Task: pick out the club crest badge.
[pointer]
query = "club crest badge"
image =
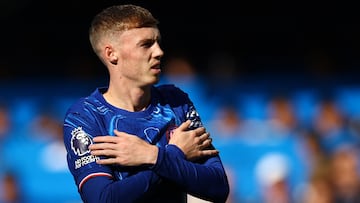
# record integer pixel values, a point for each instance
(193, 115)
(80, 141)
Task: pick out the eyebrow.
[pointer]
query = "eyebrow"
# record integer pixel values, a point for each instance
(147, 40)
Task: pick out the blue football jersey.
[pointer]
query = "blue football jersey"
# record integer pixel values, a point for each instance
(165, 181)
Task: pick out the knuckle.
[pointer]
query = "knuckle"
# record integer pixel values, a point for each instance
(192, 133)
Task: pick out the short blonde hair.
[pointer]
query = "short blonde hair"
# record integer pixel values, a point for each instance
(119, 18)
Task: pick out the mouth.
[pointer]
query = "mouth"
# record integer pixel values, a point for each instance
(156, 69)
(156, 66)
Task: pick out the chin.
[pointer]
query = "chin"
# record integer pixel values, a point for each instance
(152, 82)
(155, 80)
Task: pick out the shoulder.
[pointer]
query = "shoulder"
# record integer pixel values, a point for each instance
(85, 105)
(171, 90)
(172, 95)
(85, 114)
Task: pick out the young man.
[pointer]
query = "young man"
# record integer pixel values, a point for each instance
(133, 141)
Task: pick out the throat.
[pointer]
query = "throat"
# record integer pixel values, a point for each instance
(131, 104)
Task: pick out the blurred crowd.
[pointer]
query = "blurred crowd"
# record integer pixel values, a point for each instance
(279, 143)
(285, 145)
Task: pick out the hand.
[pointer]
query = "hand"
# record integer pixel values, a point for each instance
(194, 143)
(123, 149)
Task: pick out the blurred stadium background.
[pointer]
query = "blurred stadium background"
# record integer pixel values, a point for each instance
(277, 85)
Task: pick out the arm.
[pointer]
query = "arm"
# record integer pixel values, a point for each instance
(207, 180)
(204, 177)
(97, 183)
(129, 150)
(104, 189)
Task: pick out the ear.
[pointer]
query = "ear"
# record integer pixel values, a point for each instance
(110, 55)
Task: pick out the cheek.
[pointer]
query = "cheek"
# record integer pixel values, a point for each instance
(127, 60)
(126, 55)
(133, 57)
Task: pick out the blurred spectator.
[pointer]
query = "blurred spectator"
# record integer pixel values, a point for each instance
(5, 128)
(331, 126)
(284, 146)
(336, 179)
(318, 189)
(226, 122)
(272, 172)
(224, 127)
(354, 128)
(314, 156)
(281, 113)
(178, 66)
(38, 159)
(245, 143)
(321, 148)
(5, 122)
(345, 177)
(9, 189)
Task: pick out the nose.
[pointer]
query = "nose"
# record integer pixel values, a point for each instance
(158, 52)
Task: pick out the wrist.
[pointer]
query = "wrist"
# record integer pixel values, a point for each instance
(153, 155)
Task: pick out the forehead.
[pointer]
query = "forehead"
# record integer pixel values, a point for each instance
(138, 34)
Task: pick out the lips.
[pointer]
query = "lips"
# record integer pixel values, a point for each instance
(156, 66)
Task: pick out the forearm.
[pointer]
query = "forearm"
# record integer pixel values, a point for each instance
(206, 180)
(102, 189)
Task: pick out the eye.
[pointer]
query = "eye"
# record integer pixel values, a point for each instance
(148, 43)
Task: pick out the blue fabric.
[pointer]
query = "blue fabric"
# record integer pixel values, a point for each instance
(164, 182)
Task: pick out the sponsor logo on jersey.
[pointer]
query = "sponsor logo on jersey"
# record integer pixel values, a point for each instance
(85, 160)
(80, 141)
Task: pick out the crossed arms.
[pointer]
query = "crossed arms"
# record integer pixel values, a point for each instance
(189, 160)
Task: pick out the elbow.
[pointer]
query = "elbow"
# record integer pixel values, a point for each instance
(225, 193)
(219, 194)
(222, 194)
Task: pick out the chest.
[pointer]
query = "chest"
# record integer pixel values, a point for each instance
(154, 127)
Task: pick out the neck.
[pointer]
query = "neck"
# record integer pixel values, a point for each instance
(130, 99)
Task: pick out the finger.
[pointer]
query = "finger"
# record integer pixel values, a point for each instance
(103, 152)
(118, 133)
(102, 145)
(106, 138)
(205, 143)
(106, 161)
(203, 137)
(200, 130)
(210, 152)
(96, 146)
(185, 125)
(123, 135)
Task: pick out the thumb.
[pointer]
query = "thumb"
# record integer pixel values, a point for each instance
(118, 133)
(123, 134)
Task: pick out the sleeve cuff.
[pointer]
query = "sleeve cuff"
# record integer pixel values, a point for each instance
(175, 150)
(166, 151)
